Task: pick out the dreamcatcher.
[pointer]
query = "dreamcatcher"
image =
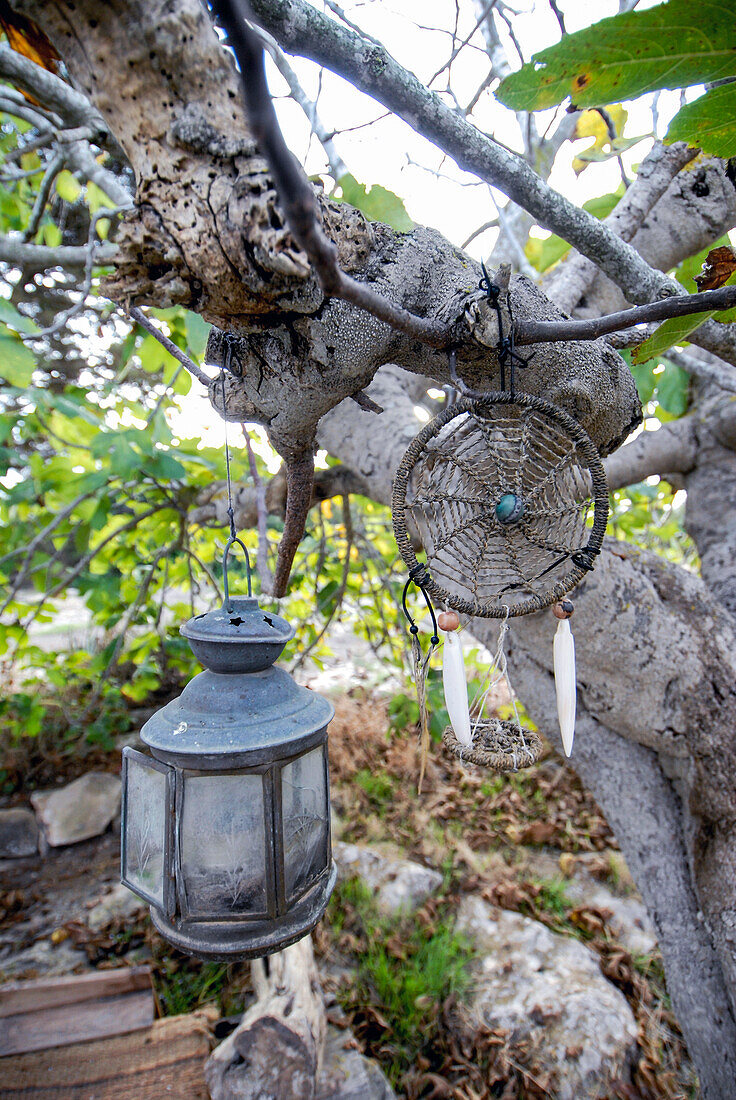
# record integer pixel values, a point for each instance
(507, 496)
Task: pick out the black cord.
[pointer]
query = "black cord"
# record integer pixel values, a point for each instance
(417, 576)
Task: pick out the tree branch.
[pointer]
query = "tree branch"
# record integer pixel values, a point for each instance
(13, 250)
(302, 30)
(681, 305)
(668, 450)
(299, 480)
(50, 89)
(295, 192)
(140, 318)
(337, 165)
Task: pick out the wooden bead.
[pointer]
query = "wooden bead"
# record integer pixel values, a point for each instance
(563, 609)
(448, 620)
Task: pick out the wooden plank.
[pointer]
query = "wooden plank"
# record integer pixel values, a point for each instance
(164, 1061)
(70, 1023)
(17, 997)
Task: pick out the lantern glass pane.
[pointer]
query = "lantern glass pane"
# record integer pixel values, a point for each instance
(223, 845)
(306, 820)
(145, 828)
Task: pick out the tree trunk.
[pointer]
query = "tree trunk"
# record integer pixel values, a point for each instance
(655, 742)
(656, 713)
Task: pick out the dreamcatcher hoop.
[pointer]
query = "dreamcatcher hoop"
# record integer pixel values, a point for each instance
(581, 557)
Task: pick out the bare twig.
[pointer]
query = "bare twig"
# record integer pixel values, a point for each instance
(140, 318)
(295, 192)
(303, 30)
(492, 224)
(13, 250)
(338, 168)
(558, 16)
(63, 318)
(543, 332)
(54, 167)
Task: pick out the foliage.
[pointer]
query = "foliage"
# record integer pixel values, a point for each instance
(100, 486)
(636, 52)
(406, 971)
(182, 985)
(377, 203)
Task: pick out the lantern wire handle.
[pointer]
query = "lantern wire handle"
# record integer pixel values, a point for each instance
(225, 585)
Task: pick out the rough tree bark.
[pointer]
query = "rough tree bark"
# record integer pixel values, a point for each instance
(657, 703)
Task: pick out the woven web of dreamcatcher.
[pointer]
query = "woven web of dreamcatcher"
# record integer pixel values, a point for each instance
(457, 481)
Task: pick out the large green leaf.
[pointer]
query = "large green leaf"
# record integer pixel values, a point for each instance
(671, 45)
(709, 122)
(17, 362)
(674, 331)
(377, 203)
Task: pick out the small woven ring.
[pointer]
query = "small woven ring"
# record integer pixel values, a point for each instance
(497, 745)
(578, 435)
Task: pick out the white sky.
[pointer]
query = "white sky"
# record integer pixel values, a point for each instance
(391, 154)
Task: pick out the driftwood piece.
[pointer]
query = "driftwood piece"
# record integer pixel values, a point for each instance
(277, 1048)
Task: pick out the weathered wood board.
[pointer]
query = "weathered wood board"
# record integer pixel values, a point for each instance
(165, 1060)
(54, 1012)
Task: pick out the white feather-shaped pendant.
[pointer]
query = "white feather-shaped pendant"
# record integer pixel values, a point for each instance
(456, 688)
(564, 659)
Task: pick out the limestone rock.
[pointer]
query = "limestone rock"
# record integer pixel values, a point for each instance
(80, 810)
(629, 921)
(398, 884)
(347, 1074)
(119, 904)
(18, 833)
(548, 992)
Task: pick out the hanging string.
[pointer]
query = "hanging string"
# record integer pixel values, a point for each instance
(421, 663)
(230, 510)
(498, 671)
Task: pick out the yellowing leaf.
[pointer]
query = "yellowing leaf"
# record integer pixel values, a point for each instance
(592, 124)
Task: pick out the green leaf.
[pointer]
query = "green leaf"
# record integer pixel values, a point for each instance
(165, 466)
(709, 122)
(377, 203)
(673, 386)
(643, 374)
(671, 45)
(17, 362)
(673, 331)
(197, 331)
(10, 315)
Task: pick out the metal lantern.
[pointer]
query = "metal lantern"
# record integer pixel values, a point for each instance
(226, 825)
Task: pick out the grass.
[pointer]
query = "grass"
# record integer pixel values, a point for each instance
(183, 986)
(379, 786)
(408, 969)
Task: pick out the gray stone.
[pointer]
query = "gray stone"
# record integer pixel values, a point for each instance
(629, 921)
(549, 993)
(398, 884)
(18, 833)
(80, 810)
(119, 904)
(347, 1074)
(43, 957)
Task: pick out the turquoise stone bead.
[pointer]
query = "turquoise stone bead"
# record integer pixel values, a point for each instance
(509, 509)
